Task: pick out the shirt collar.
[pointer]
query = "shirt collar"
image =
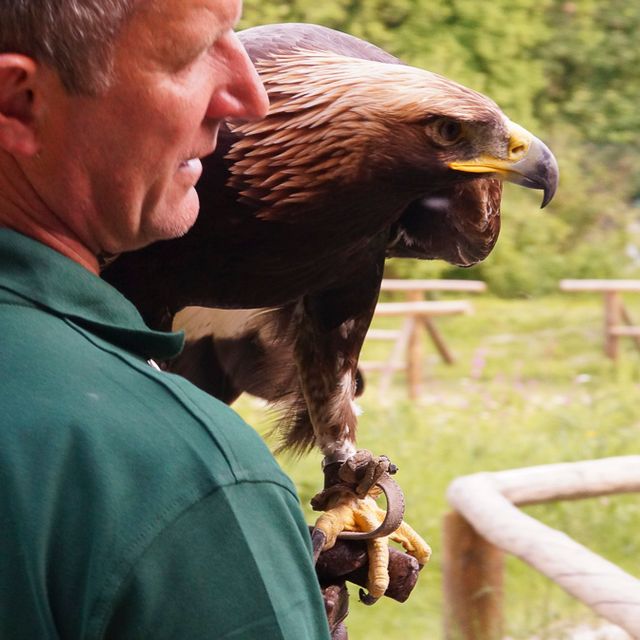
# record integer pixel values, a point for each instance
(52, 281)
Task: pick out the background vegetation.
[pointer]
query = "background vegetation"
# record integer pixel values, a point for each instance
(568, 71)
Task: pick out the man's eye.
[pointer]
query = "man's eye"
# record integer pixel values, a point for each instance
(181, 56)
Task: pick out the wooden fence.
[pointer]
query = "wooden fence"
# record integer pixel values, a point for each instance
(419, 320)
(618, 322)
(486, 523)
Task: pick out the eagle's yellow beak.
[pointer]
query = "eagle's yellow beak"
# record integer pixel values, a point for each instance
(529, 163)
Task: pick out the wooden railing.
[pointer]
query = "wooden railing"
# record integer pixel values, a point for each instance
(486, 523)
(418, 313)
(617, 320)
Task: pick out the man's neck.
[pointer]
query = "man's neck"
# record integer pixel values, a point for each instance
(23, 211)
(64, 245)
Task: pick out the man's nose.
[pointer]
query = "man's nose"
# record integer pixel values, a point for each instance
(242, 95)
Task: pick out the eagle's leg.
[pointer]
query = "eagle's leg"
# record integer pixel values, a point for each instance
(326, 356)
(331, 328)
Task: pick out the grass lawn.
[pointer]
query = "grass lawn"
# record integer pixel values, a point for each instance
(530, 386)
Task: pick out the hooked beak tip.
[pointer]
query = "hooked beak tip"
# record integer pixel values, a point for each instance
(551, 173)
(547, 197)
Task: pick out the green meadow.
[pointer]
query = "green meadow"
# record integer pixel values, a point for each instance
(530, 386)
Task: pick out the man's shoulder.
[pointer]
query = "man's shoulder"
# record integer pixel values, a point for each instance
(61, 382)
(28, 331)
(101, 452)
(45, 364)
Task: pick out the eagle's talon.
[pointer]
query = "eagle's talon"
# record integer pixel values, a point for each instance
(367, 598)
(350, 511)
(318, 542)
(345, 512)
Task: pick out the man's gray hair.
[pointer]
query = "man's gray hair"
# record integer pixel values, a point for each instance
(74, 37)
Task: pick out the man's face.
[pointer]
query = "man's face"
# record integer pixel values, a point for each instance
(124, 164)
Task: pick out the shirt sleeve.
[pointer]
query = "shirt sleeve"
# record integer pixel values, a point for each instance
(235, 565)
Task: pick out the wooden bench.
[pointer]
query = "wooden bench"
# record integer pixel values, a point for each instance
(419, 314)
(617, 320)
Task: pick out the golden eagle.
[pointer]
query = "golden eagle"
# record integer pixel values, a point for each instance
(360, 158)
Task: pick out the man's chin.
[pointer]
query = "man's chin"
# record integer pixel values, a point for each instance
(174, 222)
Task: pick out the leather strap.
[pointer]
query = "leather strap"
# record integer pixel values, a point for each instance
(392, 519)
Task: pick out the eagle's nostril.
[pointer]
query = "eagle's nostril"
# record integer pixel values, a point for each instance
(517, 150)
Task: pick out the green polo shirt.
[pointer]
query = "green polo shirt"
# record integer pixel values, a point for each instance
(132, 505)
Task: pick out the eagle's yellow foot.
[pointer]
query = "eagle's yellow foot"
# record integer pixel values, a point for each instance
(347, 512)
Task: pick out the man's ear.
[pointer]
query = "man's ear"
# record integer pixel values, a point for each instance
(17, 115)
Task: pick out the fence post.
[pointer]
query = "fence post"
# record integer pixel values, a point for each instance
(612, 316)
(415, 353)
(473, 571)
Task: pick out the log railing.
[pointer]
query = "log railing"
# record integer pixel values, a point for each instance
(486, 523)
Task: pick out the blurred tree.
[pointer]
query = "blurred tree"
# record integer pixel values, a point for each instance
(593, 68)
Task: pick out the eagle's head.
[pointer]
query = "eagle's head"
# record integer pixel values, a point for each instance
(421, 156)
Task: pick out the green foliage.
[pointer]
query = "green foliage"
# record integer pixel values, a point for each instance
(567, 70)
(593, 64)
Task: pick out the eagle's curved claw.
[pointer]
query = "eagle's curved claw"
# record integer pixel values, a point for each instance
(347, 512)
(318, 542)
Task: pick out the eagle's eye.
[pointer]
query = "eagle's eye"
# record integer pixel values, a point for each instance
(445, 132)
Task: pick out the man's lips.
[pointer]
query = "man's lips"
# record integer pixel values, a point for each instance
(194, 165)
(192, 168)
(191, 164)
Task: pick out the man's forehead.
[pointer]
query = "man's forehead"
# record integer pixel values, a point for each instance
(225, 12)
(159, 29)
